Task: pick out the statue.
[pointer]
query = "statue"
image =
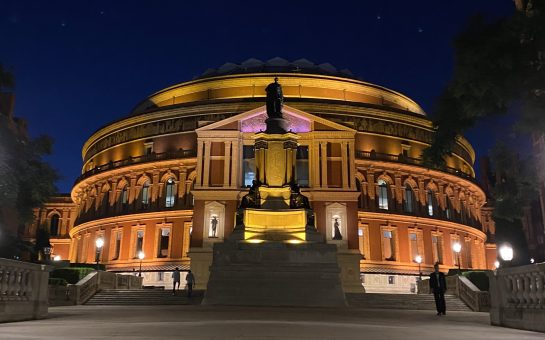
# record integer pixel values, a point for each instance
(252, 199)
(298, 200)
(275, 99)
(214, 226)
(337, 231)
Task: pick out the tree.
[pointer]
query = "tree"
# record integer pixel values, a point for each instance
(26, 180)
(497, 64)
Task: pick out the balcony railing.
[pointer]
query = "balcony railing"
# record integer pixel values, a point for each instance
(152, 157)
(410, 160)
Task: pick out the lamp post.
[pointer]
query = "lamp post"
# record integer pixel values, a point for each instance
(418, 260)
(141, 256)
(457, 247)
(99, 244)
(506, 253)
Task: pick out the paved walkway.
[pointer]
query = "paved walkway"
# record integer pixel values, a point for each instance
(204, 322)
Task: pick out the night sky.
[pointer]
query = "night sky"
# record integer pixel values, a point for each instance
(82, 64)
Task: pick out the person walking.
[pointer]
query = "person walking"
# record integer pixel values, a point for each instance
(438, 286)
(190, 279)
(175, 280)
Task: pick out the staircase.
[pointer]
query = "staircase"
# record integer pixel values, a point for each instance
(403, 301)
(144, 297)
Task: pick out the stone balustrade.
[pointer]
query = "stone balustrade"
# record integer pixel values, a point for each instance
(82, 291)
(518, 297)
(23, 290)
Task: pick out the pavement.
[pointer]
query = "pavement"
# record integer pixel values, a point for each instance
(223, 322)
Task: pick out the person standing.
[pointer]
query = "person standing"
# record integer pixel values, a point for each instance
(175, 280)
(190, 279)
(438, 285)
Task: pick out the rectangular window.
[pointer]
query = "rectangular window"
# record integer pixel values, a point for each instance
(117, 245)
(437, 249)
(388, 245)
(391, 280)
(145, 195)
(383, 197)
(139, 242)
(302, 166)
(164, 236)
(248, 165)
(160, 276)
(413, 240)
(361, 238)
(467, 254)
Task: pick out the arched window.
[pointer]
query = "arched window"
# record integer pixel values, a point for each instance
(169, 190)
(382, 194)
(448, 210)
(360, 197)
(144, 194)
(54, 225)
(431, 202)
(124, 197)
(408, 199)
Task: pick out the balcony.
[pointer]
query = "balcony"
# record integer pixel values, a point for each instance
(153, 157)
(413, 161)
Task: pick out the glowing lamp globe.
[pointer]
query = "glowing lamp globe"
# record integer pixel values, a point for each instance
(457, 247)
(141, 255)
(418, 259)
(99, 243)
(506, 252)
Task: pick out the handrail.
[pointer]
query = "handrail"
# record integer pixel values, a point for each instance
(136, 160)
(477, 300)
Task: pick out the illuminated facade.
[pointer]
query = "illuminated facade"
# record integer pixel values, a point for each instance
(167, 179)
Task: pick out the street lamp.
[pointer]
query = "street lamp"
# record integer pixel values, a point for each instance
(57, 258)
(99, 243)
(457, 247)
(506, 253)
(141, 256)
(418, 260)
(532, 260)
(496, 264)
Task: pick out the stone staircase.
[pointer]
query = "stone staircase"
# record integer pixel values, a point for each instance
(144, 297)
(403, 301)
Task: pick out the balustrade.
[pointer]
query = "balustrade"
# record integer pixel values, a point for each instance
(23, 290)
(518, 297)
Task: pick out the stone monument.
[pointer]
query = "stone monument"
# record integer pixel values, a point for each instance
(275, 256)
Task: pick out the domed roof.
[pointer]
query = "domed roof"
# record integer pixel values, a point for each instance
(276, 65)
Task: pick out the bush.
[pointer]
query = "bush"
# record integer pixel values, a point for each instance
(71, 275)
(478, 278)
(54, 281)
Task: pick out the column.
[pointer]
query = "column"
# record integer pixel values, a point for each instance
(206, 171)
(198, 180)
(235, 164)
(323, 149)
(226, 163)
(352, 163)
(345, 176)
(181, 183)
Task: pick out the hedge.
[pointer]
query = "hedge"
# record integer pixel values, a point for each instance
(478, 278)
(71, 275)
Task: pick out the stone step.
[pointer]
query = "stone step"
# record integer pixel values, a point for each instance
(403, 301)
(144, 297)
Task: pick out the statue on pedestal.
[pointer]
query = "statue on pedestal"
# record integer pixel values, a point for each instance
(337, 232)
(275, 99)
(252, 199)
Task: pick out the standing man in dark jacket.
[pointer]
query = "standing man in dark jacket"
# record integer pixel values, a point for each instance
(438, 286)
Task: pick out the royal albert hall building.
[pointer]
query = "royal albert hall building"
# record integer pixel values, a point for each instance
(166, 180)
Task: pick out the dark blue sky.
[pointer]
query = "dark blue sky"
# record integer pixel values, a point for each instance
(82, 64)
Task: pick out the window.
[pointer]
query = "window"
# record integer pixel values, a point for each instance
(139, 242)
(144, 195)
(388, 245)
(117, 245)
(382, 194)
(408, 199)
(431, 202)
(248, 165)
(448, 210)
(124, 198)
(160, 276)
(391, 280)
(302, 166)
(54, 225)
(164, 236)
(437, 248)
(467, 254)
(169, 197)
(413, 242)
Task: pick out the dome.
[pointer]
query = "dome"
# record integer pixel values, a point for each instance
(276, 64)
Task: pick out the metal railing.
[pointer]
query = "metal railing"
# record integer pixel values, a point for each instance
(152, 157)
(410, 160)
